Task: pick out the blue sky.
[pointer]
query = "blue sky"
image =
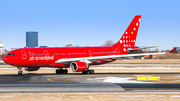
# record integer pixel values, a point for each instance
(89, 22)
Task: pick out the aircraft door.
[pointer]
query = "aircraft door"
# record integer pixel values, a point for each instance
(24, 56)
(90, 54)
(46, 53)
(117, 51)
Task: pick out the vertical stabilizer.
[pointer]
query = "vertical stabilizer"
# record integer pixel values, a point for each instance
(129, 37)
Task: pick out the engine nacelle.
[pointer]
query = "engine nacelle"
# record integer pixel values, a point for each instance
(130, 49)
(32, 68)
(78, 66)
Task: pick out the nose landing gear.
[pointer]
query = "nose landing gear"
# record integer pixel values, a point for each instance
(20, 72)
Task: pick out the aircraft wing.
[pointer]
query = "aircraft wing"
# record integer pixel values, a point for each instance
(142, 48)
(92, 59)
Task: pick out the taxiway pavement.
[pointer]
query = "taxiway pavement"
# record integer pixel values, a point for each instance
(77, 82)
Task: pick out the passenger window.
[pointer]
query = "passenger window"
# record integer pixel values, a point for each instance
(13, 54)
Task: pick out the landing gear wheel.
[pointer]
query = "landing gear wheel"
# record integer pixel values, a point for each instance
(61, 71)
(65, 71)
(88, 72)
(20, 72)
(84, 72)
(57, 71)
(92, 71)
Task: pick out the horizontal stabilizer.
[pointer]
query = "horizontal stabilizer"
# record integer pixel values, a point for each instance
(171, 51)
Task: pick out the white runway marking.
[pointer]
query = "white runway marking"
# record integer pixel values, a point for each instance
(115, 80)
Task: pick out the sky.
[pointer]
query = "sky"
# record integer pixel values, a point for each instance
(89, 22)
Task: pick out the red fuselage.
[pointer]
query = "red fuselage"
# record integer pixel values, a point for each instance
(46, 57)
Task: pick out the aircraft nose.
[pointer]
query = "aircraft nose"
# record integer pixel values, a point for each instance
(4, 59)
(7, 60)
(10, 60)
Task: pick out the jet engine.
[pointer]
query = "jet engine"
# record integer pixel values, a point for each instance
(132, 49)
(32, 68)
(78, 66)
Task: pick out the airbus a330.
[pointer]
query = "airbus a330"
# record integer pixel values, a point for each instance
(78, 59)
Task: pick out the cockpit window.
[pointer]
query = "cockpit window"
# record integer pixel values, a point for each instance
(11, 54)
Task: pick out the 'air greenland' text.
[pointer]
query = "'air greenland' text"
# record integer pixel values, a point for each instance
(41, 58)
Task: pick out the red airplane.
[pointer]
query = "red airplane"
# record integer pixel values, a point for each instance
(77, 59)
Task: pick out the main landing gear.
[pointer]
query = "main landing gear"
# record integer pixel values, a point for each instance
(61, 71)
(20, 72)
(88, 71)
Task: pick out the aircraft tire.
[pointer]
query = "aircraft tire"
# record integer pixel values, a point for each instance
(20, 72)
(84, 72)
(88, 72)
(92, 71)
(57, 71)
(61, 71)
(65, 71)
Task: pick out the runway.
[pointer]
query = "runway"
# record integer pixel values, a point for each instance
(60, 88)
(76, 82)
(105, 79)
(108, 83)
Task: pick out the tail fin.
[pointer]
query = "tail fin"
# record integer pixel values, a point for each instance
(129, 37)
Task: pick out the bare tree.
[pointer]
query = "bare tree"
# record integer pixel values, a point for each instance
(69, 45)
(108, 43)
(156, 50)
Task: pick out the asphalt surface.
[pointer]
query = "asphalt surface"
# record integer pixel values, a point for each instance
(74, 82)
(2, 63)
(69, 87)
